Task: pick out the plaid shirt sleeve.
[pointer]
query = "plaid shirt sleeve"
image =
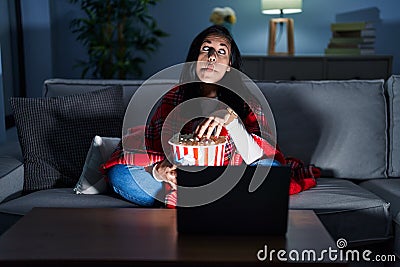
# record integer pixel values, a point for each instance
(153, 132)
(141, 146)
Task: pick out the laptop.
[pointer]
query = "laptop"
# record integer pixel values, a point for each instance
(217, 200)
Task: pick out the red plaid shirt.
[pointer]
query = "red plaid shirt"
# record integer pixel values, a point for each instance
(133, 151)
(139, 151)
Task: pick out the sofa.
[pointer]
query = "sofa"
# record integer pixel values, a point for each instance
(348, 128)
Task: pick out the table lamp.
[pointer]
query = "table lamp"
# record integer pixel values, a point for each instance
(281, 7)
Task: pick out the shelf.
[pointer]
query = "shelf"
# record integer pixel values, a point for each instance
(317, 67)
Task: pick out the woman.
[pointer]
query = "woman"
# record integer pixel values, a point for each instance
(215, 54)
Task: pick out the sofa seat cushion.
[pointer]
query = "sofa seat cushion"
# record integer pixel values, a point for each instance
(8, 165)
(387, 189)
(346, 210)
(12, 148)
(396, 226)
(11, 176)
(61, 198)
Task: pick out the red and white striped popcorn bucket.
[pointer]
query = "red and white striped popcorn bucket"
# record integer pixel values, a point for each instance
(198, 155)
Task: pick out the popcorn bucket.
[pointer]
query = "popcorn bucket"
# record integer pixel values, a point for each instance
(198, 155)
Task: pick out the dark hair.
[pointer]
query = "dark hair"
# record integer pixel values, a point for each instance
(194, 50)
(192, 89)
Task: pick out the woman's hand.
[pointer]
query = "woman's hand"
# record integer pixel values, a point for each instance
(215, 122)
(166, 172)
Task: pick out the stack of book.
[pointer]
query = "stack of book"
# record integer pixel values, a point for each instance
(352, 38)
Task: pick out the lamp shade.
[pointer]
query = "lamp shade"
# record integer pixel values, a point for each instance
(277, 6)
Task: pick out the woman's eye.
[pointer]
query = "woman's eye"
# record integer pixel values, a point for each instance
(208, 48)
(221, 52)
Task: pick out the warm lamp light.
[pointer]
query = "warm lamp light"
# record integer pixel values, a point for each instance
(272, 7)
(275, 7)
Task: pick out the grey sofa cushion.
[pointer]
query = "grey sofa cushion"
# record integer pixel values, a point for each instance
(387, 189)
(55, 133)
(393, 90)
(396, 245)
(11, 177)
(61, 198)
(342, 205)
(340, 126)
(11, 148)
(63, 87)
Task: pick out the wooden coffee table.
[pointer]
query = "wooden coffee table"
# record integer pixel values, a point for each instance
(147, 237)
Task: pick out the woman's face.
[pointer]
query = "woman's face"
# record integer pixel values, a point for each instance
(214, 59)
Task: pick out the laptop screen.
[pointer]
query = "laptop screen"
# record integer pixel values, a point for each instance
(224, 200)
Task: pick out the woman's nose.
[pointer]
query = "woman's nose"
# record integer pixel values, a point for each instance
(211, 55)
(211, 58)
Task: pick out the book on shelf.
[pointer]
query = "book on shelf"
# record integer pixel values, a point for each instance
(352, 40)
(355, 33)
(351, 26)
(349, 51)
(352, 45)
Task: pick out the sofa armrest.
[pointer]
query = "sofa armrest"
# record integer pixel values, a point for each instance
(11, 167)
(11, 177)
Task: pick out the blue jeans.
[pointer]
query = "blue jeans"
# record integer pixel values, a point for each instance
(136, 185)
(266, 162)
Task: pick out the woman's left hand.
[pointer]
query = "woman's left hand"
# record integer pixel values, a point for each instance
(215, 122)
(166, 172)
